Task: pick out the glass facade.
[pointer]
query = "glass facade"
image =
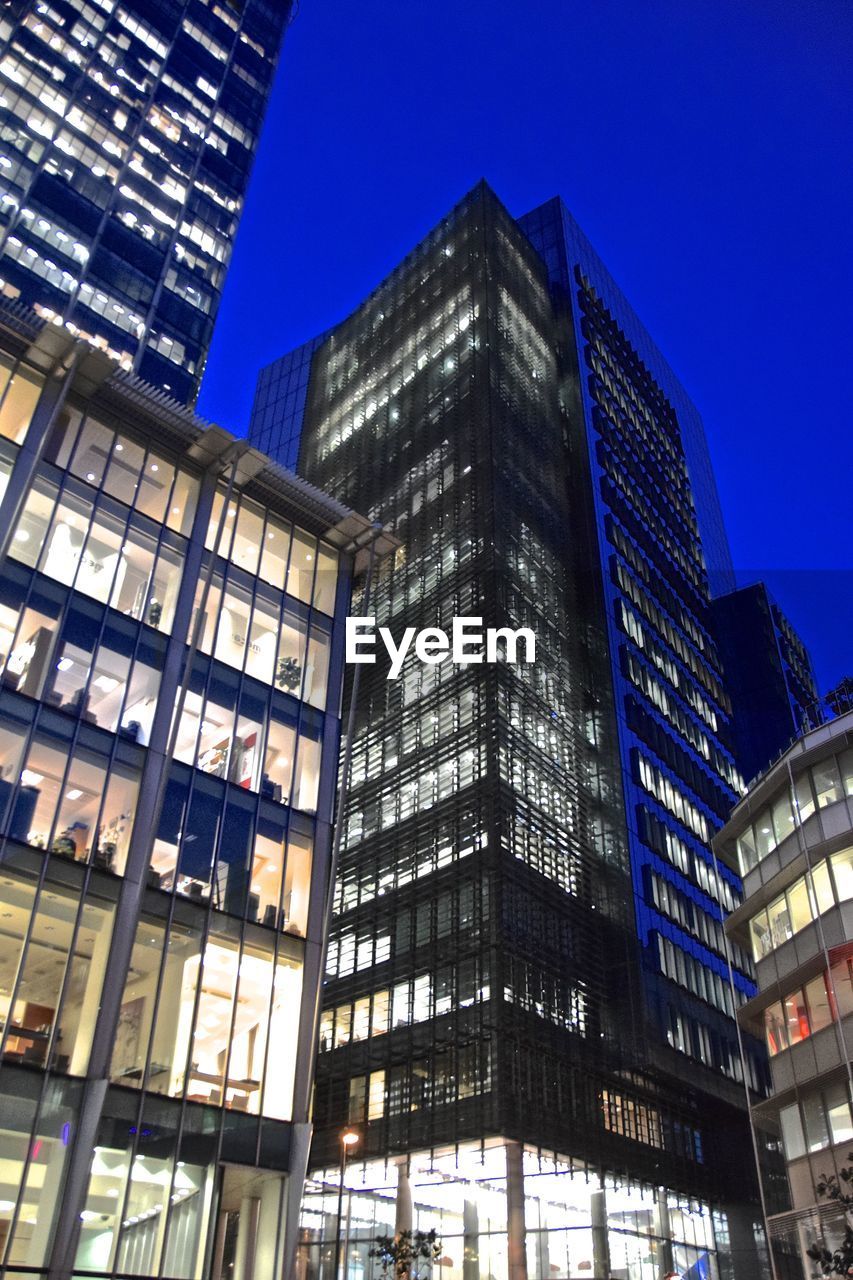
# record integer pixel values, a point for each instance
(170, 687)
(127, 133)
(488, 973)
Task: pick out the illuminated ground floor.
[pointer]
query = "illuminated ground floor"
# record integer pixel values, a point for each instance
(504, 1212)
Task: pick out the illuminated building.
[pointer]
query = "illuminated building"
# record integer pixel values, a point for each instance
(528, 1011)
(127, 133)
(793, 836)
(171, 652)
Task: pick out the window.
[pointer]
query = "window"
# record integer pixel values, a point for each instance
(817, 1000)
(793, 1138)
(827, 782)
(842, 871)
(20, 396)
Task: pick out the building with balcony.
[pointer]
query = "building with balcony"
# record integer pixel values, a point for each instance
(528, 1012)
(171, 656)
(793, 837)
(127, 134)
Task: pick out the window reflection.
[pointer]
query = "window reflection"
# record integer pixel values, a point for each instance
(220, 1030)
(47, 963)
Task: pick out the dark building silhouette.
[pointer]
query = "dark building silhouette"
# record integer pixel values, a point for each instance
(768, 673)
(527, 1000)
(127, 134)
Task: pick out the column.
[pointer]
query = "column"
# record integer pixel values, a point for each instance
(665, 1261)
(247, 1238)
(600, 1242)
(516, 1236)
(470, 1241)
(404, 1213)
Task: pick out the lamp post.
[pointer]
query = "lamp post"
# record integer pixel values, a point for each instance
(349, 1138)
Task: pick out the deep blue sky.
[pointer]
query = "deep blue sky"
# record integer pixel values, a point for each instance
(705, 147)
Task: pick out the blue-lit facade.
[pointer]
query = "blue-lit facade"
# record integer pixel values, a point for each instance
(659, 536)
(527, 1010)
(171, 665)
(127, 134)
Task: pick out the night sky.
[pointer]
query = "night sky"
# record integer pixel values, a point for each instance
(705, 148)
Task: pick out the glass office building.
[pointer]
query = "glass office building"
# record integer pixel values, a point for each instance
(768, 672)
(127, 133)
(171, 658)
(528, 1014)
(793, 836)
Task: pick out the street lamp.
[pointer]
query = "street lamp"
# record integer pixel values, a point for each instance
(348, 1139)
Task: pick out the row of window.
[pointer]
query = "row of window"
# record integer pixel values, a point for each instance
(830, 882)
(820, 1120)
(694, 919)
(695, 976)
(809, 1009)
(658, 785)
(815, 788)
(418, 999)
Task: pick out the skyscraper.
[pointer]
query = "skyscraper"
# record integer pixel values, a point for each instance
(528, 1014)
(768, 672)
(127, 133)
(171, 659)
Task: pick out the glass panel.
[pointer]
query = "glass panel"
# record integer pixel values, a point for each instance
(775, 1029)
(281, 1057)
(94, 447)
(41, 788)
(783, 818)
(155, 485)
(814, 1119)
(307, 778)
(297, 883)
(19, 899)
(12, 743)
(251, 1022)
(64, 544)
(827, 782)
(77, 820)
(103, 561)
(845, 762)
(117, 816)
(35, 1153)
(107, 687)
(245, 765)
(838, 1112)
(19, 403)
(747, 857)
(799, 906)
(29, 661)
(131, 593)
(804, 795)
(141, 703)
(210, 615)
(214, 738)
(163, 592)
(317, 668)
(233, 630)
(276, 548)
(796, 1018)
(212, 1034)
(817, 999)
(278, 760)
(822, 886)
(793, 1138)
(842, 870)
(765, 840)
(266, 873)
(842, 983)
(183, 504)
(74, 665)
(759, 929)
(125, 468)
(248, 536)
(780, 922)
(199, 840)
(29, 537)
(230, 891)
(291, 654)
(300, 571)
(263, 637)
(326, 585)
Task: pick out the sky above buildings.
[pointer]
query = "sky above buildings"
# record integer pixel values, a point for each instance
(704, 148)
